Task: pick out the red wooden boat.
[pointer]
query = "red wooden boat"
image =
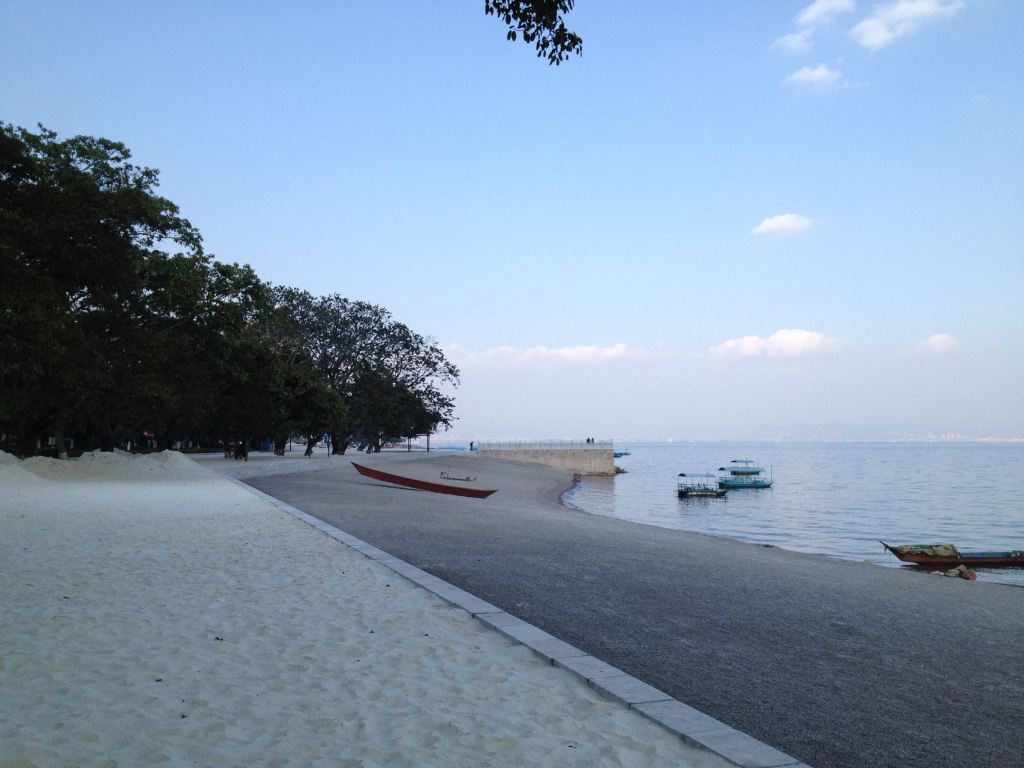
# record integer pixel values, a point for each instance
(422, 485)
(947, 556)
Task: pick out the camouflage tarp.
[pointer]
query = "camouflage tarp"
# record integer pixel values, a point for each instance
(938, 550)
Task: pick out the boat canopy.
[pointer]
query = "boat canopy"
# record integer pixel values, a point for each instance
(702, 475)
(742, 467)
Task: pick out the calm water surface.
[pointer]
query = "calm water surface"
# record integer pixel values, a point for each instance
(836, 499)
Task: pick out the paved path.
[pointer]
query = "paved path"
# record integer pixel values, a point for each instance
(837, 663)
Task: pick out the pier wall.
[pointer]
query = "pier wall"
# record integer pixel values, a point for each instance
(582, 457)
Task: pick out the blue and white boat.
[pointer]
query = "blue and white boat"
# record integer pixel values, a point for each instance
(743, 473)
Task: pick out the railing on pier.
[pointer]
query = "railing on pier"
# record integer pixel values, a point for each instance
(545, 445)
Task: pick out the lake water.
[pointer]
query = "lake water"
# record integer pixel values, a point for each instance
(836, 499)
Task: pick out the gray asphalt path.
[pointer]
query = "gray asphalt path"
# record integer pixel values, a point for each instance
(838, 663)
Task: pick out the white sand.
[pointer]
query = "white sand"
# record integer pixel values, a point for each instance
(153, 613)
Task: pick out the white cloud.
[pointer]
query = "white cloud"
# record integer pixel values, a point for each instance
(784, 224)
(820, 11)
(891, 21)
(819, 75)
(786, 342)
(795, 42)
(939, 342)
(815, 15)
(584, 354)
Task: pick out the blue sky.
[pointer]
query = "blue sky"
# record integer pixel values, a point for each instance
(720, 222)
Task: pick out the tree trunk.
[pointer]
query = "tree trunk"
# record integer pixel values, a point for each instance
(62, 451)
(163, 440)
(27, 440)
(280, 442)
(311, 444)
(106, 436)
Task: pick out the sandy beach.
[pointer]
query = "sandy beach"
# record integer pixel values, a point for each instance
(155, 613)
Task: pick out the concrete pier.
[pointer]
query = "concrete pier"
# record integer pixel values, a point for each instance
(574, 455)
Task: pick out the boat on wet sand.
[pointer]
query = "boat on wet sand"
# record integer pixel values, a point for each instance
(948, 556)
(423, 485)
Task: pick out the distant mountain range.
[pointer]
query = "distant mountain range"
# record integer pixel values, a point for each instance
(870, 433)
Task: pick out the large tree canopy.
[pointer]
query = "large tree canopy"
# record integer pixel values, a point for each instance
(115, 326)
(80, 228)
(363, 353)
(539, 22)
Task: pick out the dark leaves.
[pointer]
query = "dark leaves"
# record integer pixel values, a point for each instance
(540, 22)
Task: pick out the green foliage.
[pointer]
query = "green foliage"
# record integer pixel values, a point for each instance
(363, 353)
(539, 22)
(114, 323)
(78, 223)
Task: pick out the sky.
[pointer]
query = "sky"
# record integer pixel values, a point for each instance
(785, 220)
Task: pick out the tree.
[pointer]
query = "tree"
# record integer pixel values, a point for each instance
(78, 223)
(384, 408)
(115, 325)
(316, 408)
(345, 342)
(540, 22)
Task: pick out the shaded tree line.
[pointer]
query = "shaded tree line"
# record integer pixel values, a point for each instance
(117, 329)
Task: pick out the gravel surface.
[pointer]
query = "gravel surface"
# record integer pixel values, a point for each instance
(838, 663)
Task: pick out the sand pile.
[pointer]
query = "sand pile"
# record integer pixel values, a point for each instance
(12, 470)
(187, 622)
(166, 466)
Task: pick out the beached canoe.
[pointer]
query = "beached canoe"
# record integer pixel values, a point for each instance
(948, 556)
(422, 485)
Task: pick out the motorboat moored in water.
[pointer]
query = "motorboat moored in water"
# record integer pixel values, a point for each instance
(698, 485)
(743, 473)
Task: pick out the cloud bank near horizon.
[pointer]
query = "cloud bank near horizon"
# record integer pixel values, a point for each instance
(785, 342)
(582, 354)
(939, 342)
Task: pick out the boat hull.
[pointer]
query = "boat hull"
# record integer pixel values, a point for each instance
(972, 559)
(709, 493)
(729, 485)
(422, 485)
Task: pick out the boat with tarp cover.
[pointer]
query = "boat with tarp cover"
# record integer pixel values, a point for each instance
(743, 473)
(948, 556)
(424, 485)
(699, 485)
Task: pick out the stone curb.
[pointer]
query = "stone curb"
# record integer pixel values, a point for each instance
(691, 725)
